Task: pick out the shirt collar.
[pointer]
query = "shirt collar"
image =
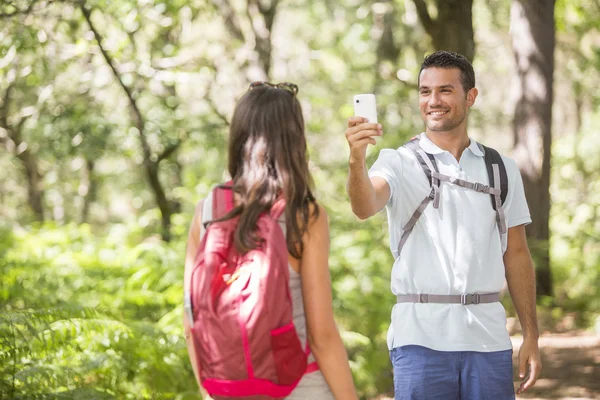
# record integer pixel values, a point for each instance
(429, 147)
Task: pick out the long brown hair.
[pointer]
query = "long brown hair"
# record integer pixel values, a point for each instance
(268, 159)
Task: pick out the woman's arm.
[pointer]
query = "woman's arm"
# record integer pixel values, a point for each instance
(323, 336)
(190, 254)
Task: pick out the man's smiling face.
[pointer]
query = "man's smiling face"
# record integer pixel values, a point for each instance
(442, 99)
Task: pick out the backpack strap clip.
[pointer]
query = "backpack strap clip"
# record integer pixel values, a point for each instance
(480, 187)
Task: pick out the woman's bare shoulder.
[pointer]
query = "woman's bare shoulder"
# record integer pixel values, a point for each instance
(318, 219)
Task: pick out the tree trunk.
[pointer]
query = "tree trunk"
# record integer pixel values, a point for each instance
(452, 30)
(91, 189)
(160, 197)
(35, 192)
(533, 41)
(261, 15)
(13, 141)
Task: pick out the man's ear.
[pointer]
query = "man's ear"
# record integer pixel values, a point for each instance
(471, 96)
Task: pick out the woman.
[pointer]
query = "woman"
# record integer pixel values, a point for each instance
(267, 158)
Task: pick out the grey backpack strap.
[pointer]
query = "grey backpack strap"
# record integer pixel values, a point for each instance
(206, 213)
(498, 180)
(500, 217)
(426, 160)
(407, 229)
(476, 186)
(429, 167)
(429, 161)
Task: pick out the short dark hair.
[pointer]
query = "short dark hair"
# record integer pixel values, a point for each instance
(448, 60)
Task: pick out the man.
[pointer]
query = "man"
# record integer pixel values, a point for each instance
(448, 336)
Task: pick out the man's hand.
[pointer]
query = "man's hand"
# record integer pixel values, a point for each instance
(359, 134)
(529, 353)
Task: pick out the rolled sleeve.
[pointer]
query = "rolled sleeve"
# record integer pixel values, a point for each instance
(389, 167)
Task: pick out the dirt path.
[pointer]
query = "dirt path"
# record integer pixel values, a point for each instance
(571, 367)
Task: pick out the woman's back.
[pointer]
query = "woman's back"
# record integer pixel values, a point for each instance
(267, 160)
(313, 384)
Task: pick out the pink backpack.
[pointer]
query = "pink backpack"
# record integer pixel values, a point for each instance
(242, 320)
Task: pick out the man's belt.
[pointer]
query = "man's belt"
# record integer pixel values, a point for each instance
(464, 299)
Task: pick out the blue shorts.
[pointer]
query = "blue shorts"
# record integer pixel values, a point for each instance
(424, 374)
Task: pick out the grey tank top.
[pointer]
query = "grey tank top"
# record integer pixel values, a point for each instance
(313, 385)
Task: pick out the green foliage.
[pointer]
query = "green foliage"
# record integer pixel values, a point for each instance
(83, 316)
(361, 265)
(101, 315)
(576, 240)
(94, 310)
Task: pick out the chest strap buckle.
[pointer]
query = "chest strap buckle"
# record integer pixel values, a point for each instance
(467, 299)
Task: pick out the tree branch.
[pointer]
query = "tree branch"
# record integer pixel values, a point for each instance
(262, 30)
(9, 136)
(168, 151)
(213, 106)
(218, 113)
(13, 134)
(231, 22)
(137, 115)
(268, 13)
(424, 16)
(27, 158)
(4, 104)
(22, 122)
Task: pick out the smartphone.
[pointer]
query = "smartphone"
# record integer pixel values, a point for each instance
(365, 106)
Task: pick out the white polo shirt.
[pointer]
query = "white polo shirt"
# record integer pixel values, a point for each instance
(454, 249)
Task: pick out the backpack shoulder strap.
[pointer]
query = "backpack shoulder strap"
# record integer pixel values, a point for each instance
(218, 203)
(427, 163)
(206, 213)
(222, 200)
(415, 148)
(491, 157)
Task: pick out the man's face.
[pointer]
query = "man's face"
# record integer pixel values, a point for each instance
(442, 99)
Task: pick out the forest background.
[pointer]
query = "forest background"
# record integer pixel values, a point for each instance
(113, 125)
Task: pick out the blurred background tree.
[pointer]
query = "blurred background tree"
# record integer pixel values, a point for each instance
(113, 125)
(533, 42)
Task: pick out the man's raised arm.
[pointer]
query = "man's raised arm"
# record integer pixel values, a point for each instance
(367, 195)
